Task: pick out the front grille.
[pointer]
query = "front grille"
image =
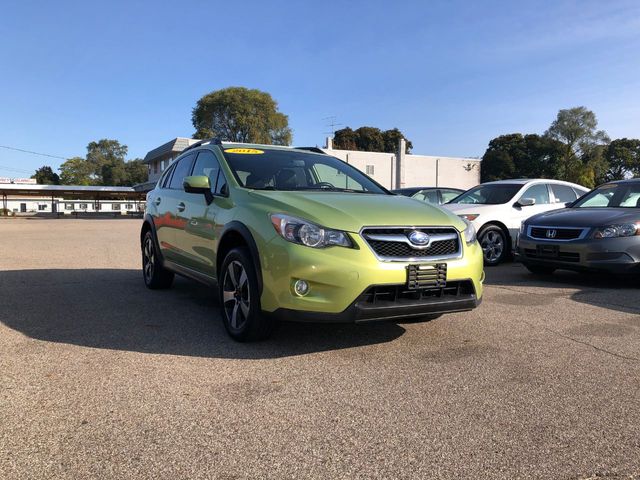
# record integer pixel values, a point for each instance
(387, 295)
(394, 244)
(560, 233)
(562, 256)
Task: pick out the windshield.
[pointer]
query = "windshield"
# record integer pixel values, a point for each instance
(613, 195)
(491, 194)
(271, 169)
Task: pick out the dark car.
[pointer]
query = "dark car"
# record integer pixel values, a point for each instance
(599, 232)
(433, 195)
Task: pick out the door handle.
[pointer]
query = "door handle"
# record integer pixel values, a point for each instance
(157, 201)
(181, 207)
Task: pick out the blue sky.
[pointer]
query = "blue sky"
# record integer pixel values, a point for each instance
(452, 75)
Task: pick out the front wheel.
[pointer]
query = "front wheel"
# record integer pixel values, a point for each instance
(494, 245)
(240, 298)
(154, 274)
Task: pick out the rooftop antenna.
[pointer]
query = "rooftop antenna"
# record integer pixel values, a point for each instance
(331, 123)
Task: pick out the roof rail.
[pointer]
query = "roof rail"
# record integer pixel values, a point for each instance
(312, 149)
(206, 141)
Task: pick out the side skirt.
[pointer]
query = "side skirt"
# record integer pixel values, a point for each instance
(189, 273)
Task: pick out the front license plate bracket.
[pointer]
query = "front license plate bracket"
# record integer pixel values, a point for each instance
(426, 276)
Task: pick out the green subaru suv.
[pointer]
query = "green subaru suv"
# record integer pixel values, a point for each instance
(295, 234)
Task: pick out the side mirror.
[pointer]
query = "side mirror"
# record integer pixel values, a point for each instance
(525, 202)
(569, 204)
(199, 184)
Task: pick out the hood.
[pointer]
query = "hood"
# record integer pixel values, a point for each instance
(586, 217)
(459, 208)
(352, 211)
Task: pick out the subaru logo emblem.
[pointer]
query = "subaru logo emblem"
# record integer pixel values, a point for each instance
(419, 238)
(552, 233)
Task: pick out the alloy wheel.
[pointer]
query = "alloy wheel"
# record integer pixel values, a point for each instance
(236, 295)
(148, 259)
(492, 245)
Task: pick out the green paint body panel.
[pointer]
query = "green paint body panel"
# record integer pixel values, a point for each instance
(337, 275)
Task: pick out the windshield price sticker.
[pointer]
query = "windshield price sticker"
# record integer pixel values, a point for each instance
(244, 151)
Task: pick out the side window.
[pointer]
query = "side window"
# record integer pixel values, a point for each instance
(580, 193)
(448, 195)
(180, 171)
(429, 196)
(563, 193)
(539, 192)
(221, 183)
(208, 166)
(167, 177)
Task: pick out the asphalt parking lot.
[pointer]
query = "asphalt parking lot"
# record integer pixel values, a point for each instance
(102, 378)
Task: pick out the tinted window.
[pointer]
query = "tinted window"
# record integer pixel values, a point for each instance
(274, 169)
(539, 192)
(563, 193)
(429, 196)
(490, 194)
(167, 177)
(207, 165)
(181, 170)
(221, 183)
(626, 195)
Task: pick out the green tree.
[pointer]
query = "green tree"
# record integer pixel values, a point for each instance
(623, 159)
(526, 156)
(239, 114)
(106, 158)
(137, 171)
(392, 139)
(496, 165)
(577, 129)
(76, 171)
(46, 176)
(345, 139)
(370, 139)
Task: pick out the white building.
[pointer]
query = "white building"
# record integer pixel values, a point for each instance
(24, 198)
(400, 170)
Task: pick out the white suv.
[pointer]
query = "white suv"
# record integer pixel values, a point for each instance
(496, 209)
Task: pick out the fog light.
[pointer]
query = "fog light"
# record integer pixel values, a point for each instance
(301, 287)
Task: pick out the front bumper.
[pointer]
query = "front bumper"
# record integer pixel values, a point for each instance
(615, 255)
(341, 278)
(368, 308)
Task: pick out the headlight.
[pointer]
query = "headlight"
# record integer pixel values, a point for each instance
(615, 231)
(469, 216)
(469, 232)
(297, 230)
(521, 227)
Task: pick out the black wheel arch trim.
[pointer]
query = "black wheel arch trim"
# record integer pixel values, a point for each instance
(148, 220)
(240, 228)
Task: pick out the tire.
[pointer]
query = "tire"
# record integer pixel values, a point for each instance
(240, 299)
(494, 245)
(540, 269)
(155, 275)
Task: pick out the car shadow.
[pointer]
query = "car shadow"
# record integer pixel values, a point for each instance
(615, 292)
(112, 309)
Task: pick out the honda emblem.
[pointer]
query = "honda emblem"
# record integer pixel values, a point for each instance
(552, 233)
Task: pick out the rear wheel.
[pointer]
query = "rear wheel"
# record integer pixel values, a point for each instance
(240, 298)
(494, 245)
(155, 275)
(540, 269)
